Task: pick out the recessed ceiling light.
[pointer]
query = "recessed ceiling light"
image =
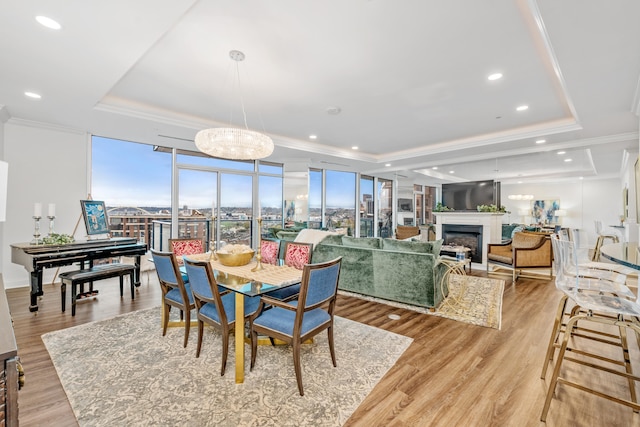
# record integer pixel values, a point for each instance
(45, 21)
(434, 168)
(582, 177)
(334, 111)
(495, 76)
(522, 108)
(568, 160)
(313, 136)
(33, 95)
(452, 171)
(561, 152)
(355, 147)
(541, 141)
(519, 182)
(387, 165)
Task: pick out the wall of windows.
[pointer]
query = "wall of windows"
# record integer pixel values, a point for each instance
(214, 199)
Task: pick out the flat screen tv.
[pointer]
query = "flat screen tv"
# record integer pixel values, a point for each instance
(466, 196)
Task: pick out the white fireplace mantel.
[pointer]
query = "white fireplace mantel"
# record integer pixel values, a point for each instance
(491, 223)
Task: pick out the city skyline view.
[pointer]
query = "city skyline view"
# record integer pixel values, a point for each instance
(133, 174)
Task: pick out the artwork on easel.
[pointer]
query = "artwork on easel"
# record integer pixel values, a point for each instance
(95, 217)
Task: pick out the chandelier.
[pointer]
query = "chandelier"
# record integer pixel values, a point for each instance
(234, 143)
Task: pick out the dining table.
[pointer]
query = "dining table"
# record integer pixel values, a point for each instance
(247, 280)
(625, 253)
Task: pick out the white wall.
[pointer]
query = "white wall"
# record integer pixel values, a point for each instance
(584, 200)
(47, 164)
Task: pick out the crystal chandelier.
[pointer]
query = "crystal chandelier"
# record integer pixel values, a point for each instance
(234, 143)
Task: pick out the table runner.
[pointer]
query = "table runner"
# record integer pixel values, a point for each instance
(271, 274)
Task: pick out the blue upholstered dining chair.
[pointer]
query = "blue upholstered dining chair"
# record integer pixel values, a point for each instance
(296, 321)
(175, 292)
(215, 305)
(296, 255)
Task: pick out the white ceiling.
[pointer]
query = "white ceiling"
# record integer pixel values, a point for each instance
(410, 78)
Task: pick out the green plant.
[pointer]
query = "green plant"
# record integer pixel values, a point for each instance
(442, 208)
(492, 208)
(58, 239)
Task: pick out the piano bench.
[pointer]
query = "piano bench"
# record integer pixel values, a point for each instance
(80, 277)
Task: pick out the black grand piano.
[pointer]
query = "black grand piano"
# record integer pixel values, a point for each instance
(35, 258)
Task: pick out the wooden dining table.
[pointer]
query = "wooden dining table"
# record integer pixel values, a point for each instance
(245, 282)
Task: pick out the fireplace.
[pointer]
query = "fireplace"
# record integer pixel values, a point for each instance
(469, 236)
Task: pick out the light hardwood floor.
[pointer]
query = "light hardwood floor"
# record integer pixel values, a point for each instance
(453, 374)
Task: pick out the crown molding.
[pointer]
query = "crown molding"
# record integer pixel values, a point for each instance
(46, 126)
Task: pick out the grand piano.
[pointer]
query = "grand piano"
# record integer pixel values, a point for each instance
(35, 258)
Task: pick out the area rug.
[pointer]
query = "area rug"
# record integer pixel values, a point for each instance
(474, 300)
(122, 371)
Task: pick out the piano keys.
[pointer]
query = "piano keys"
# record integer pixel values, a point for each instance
(35, 258)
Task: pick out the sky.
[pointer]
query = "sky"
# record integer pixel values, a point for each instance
(132, 174)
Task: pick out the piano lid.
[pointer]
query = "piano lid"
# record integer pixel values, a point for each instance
(77, 245)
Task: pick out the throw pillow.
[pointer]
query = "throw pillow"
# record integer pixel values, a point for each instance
(362, 242)
(517, 229)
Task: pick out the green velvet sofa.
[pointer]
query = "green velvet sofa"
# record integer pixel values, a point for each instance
(395, 270)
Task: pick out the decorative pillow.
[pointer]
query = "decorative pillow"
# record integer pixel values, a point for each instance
(297, 255)
(269, 251)
(517, 229)
(362, 242)
(310, 235)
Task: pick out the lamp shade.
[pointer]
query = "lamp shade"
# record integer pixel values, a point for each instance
(560, 212)
(4, 179)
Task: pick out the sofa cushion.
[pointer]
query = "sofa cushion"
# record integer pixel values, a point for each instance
(432, 247)
(332, 239)
(362, 242)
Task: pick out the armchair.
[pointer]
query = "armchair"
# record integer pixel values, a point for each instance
(524, 251)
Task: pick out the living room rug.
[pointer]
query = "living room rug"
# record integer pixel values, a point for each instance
(474, 300)
(122, 371)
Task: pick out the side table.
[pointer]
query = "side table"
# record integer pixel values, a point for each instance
(453, 267)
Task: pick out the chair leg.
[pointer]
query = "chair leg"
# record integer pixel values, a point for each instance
(296, 364)
(331, 346)
(200, 333)
(627, 363)
(187, 326)
(555, 333)
(556, 370)
(254, 348)
(225, 350)
(165, 315)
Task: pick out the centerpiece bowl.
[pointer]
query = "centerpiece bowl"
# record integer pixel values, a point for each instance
(235, 259)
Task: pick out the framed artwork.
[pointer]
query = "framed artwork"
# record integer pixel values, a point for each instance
(405, 205)
(95, 217)
(544, 211)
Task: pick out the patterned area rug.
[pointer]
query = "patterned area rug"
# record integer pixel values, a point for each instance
(471, 299)
(122, 371)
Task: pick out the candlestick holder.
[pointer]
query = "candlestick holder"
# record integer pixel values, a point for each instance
(51, 218)
(258, 254)
(36, 231)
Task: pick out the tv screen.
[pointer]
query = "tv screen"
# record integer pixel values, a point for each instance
(466, 196)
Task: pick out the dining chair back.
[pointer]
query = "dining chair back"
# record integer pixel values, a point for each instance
(215, 305)
(175, 292)
(296, 322)
(181, 247)
(269, 251)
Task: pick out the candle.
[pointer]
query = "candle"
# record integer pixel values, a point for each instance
(52, 209)
(37, 209)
